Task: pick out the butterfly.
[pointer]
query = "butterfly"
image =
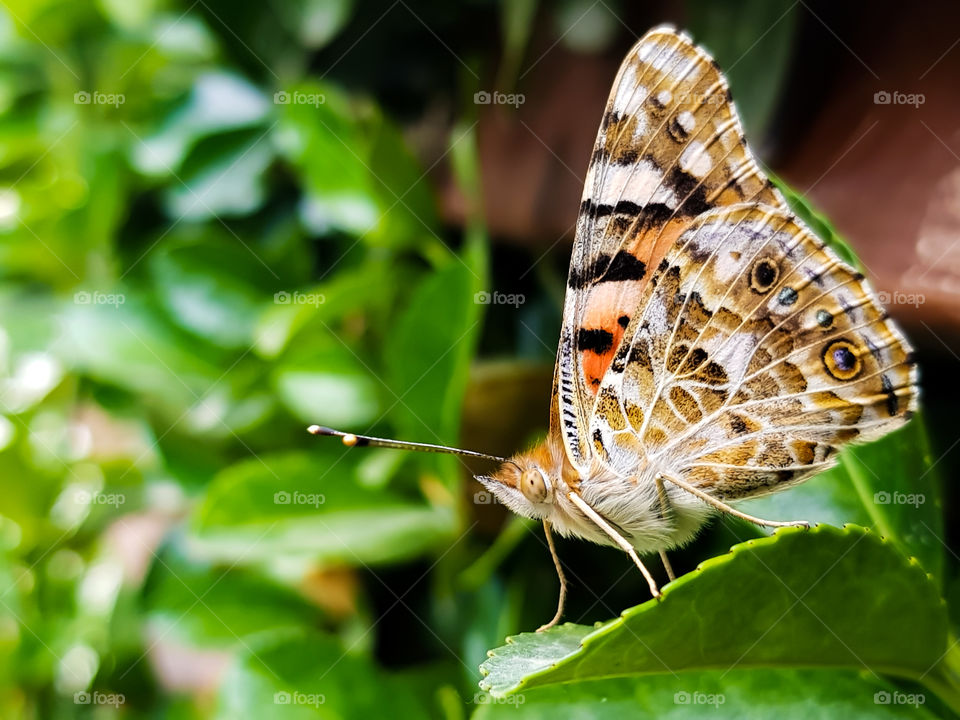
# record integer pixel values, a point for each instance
(712, 347)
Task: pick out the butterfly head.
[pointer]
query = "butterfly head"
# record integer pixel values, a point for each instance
(529, 484)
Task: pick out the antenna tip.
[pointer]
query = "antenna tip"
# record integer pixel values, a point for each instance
(349, 439)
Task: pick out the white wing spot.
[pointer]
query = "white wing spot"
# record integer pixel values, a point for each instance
(696, 160)
(630, 94)
(640, 183)
(686, 121)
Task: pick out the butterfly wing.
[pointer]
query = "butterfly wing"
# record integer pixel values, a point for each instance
(670, 148)
(756, 355)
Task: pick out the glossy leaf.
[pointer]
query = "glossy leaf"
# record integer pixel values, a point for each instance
(735, 694)
(804, 598)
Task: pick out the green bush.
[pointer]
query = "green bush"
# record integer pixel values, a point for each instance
(208, 243)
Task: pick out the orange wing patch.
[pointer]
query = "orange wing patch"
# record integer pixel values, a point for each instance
(614, 296)
(604, 322)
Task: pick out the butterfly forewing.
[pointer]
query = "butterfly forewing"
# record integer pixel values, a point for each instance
(705, 328)
(670, 147)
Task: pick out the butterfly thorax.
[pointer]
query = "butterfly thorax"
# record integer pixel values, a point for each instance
(537, 484)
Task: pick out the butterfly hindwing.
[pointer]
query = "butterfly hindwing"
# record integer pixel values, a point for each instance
(670, 147)
(756, 354)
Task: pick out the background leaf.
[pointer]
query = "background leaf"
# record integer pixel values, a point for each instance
(299, 509)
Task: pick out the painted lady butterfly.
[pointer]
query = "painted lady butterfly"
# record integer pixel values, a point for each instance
(712, 348)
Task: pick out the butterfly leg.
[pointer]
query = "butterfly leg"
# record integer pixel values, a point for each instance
(667, 566)
(563, 579)
(664, 508)
(617, 538)
(723, 507)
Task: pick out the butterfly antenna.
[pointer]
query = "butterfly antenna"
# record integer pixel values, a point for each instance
(351, 440)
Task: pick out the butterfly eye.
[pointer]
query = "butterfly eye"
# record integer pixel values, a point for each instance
(763, 275)
(535, 486)
(841, 360)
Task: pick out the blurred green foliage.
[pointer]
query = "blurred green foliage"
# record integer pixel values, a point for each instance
(208, 240)
(202, 252)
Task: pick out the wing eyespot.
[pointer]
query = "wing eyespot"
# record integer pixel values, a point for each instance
(788, 296)
(824, 319)
(763, 276)
(842, 360)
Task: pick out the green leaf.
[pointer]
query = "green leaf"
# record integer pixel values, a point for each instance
(222, 176)
(429, 353)
(757, 694)
(314, 310)
(116, 337)
(211, 288)
(211, 606)
(326, 144)
(358, 175)
(401, 186)
(309, 675)
(804, 598)
(517, 21)
(315, 22)
(324, 382)
(218, 102)
(291, 511)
